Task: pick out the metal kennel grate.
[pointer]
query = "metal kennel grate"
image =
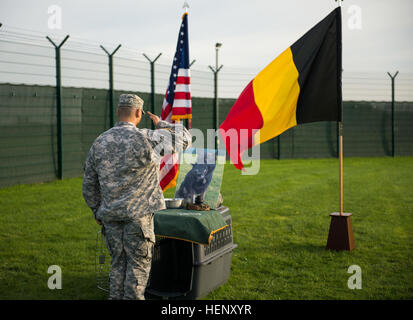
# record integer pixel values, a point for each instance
(102, 263)
(219, 240)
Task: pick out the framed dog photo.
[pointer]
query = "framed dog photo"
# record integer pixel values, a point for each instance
(200, 175)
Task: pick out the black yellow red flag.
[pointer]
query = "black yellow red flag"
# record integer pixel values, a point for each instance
(303, 84)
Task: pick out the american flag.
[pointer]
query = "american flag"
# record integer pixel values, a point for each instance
(177, 101)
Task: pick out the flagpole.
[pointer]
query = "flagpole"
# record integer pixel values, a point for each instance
(340, 141)
(189, 124)
(340, 235)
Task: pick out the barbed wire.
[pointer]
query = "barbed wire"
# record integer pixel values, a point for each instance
(26, 55)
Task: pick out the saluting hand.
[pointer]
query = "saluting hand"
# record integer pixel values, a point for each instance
(155, 119)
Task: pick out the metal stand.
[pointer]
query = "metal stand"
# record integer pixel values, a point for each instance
(102, 263)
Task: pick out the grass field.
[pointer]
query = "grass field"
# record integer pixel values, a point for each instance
(280, 222)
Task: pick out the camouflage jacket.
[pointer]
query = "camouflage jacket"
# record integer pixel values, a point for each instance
(121, 172)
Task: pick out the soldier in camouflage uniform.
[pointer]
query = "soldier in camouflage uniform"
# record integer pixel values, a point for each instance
(121, 186)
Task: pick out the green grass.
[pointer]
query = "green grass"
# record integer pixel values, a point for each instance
(280, 223)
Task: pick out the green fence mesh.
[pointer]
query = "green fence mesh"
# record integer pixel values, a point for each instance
(28, 148)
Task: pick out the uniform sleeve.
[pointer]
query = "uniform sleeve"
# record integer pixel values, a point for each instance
(168, 138)
(90, 187)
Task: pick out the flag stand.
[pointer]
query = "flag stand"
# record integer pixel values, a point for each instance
(340, 235)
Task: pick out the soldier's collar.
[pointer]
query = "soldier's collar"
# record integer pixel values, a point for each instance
(124, 123)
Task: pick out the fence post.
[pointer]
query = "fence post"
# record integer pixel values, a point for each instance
(152, 62)
(111, 90)
(216, 102)
(392, 113)
(279, 147)
(338, 138)
(59, 107)
(188, 121)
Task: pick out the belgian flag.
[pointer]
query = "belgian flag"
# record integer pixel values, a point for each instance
(303, 84)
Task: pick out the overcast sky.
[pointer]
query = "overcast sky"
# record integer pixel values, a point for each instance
(376, 39)
(252, 32)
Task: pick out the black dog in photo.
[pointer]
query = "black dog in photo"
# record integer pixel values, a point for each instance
(197, 180)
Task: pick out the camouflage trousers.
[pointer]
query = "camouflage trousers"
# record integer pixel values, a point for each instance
(130, 245)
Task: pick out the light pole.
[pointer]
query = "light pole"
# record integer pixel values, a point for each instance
(216, 106)
(217, 46)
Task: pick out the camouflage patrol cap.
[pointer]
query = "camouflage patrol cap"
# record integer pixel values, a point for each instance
(131, 100)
